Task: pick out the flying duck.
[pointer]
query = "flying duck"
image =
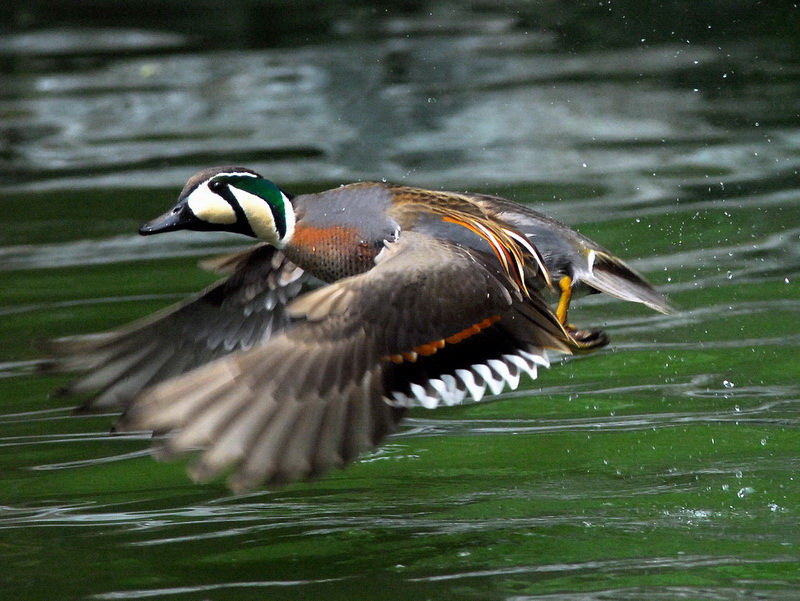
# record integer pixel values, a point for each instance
(358, 303)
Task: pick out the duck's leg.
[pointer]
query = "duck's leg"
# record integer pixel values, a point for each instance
(585, 340)
(565, 285)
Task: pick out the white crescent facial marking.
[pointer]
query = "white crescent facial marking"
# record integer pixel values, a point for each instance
(261, 219)
(290, 221)
(212, 208)
(209, 207)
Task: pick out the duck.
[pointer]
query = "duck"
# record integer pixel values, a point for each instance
(356, 305)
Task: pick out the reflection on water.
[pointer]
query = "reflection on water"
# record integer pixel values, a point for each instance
(481, 103)
(662, 468)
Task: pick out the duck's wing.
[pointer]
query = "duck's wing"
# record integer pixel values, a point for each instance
(236, 313)
(322, 391)
(590, 263)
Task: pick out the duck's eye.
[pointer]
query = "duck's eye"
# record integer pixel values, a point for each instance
(216, 185)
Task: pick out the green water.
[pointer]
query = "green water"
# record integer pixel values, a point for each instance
(663, 467)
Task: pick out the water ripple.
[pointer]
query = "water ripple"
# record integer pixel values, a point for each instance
(673, 593)
(617, 566)
(113, 250)
(775, 413)
(87, 41)
(200, 588)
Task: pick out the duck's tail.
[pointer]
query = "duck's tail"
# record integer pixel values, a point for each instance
(611, 275)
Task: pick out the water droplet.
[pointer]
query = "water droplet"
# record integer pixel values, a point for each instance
(763, 442)
(728, 384)
(729, 275)
(743, 492)
(725, 488)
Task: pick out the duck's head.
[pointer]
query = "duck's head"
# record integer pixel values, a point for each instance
(230, 199)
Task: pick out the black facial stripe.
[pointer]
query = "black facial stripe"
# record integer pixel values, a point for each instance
(222, 190)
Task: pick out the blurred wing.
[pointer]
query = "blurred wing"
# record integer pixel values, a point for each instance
(323, 391)
(241, 311)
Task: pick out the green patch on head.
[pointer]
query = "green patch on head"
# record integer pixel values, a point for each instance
(266, 190)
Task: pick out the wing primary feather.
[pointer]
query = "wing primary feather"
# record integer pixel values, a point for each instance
(205, 424)
(326, 453)
(83, 358)
(182, 361)
(75, 348)
(262, 461)
(174, 402)
(295, 458)
(235, 439)
(356, 438)
(109, 373)
(136, 378)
